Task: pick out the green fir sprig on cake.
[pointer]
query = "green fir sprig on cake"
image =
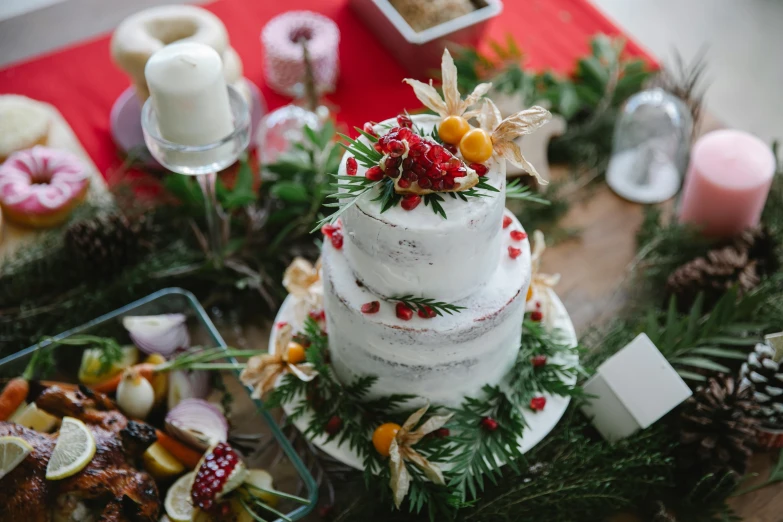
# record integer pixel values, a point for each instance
(427, 307)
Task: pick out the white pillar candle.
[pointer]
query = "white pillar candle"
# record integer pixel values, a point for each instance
(189, 94)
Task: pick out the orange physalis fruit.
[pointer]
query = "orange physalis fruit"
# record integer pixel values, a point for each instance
(452, 129)
(476, 146)
(296, 353)
(529, 293)
(383, 436)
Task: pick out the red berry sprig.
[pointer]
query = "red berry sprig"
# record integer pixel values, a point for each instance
(514, 253)
(489, 424)
(537, 403)
(506, 221)
(536, 316)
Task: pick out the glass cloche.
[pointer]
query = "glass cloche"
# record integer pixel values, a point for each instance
(652, 139)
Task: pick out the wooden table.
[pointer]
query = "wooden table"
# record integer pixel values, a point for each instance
(593, 266)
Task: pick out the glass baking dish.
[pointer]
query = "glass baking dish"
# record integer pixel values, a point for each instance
(268, 447)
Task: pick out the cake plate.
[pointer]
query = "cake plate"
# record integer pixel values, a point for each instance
(539, 424)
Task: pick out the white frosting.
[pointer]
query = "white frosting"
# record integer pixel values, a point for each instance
(442, 359)
(418, 252)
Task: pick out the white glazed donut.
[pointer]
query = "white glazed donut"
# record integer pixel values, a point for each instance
(145, 32)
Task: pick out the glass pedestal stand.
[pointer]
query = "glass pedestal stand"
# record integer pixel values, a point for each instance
(204, 162)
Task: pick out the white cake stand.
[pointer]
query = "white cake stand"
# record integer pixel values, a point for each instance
(539, 424)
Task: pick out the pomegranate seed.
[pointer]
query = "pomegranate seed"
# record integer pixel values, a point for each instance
(328, 229)
(410, 202)
(514, 253)
(404, 311)
(506, 221)
(441, 433)
(426, 312)
(282, 324)
(451, 164)
(536, 316)
(404, 183)
(538, 361)
(407, 163)
(480, 168)
(351, 166)
(403, 120)
(371, 308)
(368, 128)
(418, 149)
(537, 403)
(451, 148)
(212, 476)
(489, 424)
(425, 183)
(337, 239)
(517, 235)
(448, 183)
(377, 146)
(396, 148)
(334, 425)
(374, 173)
(317, 316)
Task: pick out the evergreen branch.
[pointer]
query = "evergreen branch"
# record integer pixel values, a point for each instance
(350, 193)
(387, 196)
(422, 303)
(515, 190)
(434, 201)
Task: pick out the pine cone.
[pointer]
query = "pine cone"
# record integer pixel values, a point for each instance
(106, 244)
(763, 375)
(740, 263)
(718, 428)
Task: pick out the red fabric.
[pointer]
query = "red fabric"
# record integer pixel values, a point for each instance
(83, 83)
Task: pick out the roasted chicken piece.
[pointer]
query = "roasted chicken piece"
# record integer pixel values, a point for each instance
(108, 489)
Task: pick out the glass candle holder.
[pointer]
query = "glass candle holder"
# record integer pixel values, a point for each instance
(203, 161)
(650, 150)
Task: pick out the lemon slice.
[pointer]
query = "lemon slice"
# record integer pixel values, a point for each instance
(13, 451)
(160, 463)
(74, 449)
(90, 369)
(31, 417)
(179, 506)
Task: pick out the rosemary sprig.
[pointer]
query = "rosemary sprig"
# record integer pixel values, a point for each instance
(422, 303)
(388, 197)
(110, 349)
(515, 190)
(434, 202)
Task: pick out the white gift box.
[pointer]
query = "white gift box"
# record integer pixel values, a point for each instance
(632, 390)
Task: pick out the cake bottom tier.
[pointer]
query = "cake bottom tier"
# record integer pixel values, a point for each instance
(442, 359)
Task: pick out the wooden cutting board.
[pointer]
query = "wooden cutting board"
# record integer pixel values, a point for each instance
(61, 136)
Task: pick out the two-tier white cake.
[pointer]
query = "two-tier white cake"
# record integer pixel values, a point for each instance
(465, 259)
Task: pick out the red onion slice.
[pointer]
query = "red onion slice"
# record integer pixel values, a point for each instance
(162, 334)
(197, 423)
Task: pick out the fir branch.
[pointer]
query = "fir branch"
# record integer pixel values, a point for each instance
(476, 449)
(350, 189)
(387, 196)
(434, 201)
(422, 303)
(527, 381)
(515, 190)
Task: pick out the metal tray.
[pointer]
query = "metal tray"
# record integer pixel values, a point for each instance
(270, 451)
(420, 52)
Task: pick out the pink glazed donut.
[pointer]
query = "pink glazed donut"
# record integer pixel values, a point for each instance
(40, 187)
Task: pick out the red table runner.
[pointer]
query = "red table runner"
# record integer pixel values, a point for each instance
(83, 83)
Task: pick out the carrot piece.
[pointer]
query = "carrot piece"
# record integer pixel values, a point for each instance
(185, 454)
(14, 394)
(110, 385)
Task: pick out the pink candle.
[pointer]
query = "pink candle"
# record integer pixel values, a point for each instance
(728, 180)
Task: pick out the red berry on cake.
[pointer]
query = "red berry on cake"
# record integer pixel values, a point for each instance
(403, 120)
(536, 316)
(514, 253)
(480, 168)
(538, 361)
(337, 239)
(426, 312)
(506, 221)
(368, 128)
(404, 311)
(371, 308)
(537, 403)
(351, 166)
(518, 235)
(410, 202)
(317, 315)
(489, 424)
(374, 173)
(328, 229)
